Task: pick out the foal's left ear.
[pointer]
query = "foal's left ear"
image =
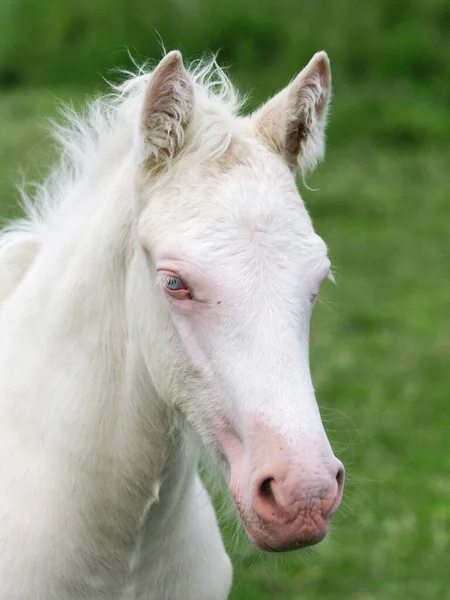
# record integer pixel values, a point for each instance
(167, 110)
(293, 122)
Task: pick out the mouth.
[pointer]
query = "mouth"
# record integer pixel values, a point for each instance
(299, 533)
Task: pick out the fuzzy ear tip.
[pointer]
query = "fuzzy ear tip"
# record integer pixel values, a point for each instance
(321, 56)
(321, 64)
(321, 61)
(173, 58)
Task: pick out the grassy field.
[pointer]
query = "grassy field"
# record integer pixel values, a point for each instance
(380, 341)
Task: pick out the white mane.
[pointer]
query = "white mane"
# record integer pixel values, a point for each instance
(101, 134)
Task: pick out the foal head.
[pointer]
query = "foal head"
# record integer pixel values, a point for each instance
(235, 267)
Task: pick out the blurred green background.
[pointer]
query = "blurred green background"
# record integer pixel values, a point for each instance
(380, 345)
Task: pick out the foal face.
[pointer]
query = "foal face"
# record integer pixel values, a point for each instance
(236, 267)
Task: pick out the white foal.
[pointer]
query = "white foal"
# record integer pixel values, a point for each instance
(157, 298)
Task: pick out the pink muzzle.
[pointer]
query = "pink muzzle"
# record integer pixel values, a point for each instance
(285, 494)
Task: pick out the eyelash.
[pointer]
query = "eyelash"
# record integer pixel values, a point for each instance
(170, 279)
(180, 293)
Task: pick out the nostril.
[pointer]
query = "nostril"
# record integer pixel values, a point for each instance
(265, 490)
(340, 475)
(265, 499)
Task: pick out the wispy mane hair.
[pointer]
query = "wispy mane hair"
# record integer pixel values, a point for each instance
(100, 135)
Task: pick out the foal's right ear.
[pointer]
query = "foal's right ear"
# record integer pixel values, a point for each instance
(167, 110)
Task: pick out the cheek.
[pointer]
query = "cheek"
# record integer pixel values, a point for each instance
(195, 332)
(206, 389)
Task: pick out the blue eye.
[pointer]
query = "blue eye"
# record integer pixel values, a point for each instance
(174, 284)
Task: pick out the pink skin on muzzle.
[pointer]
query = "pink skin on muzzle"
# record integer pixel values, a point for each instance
(285, 493)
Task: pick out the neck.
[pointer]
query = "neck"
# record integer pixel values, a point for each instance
(84, 396)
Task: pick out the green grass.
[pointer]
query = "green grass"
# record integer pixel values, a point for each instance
(64, 41)
(380, 343)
